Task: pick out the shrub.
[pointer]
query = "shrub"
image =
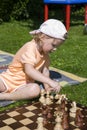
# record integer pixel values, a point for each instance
(20, 11)
(5, 9)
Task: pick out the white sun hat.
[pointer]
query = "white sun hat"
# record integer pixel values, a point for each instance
(52, 27)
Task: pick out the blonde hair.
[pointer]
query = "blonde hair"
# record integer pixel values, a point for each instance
(38, 37)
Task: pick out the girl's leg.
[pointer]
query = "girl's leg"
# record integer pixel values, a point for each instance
(2, 86)
(29, 91)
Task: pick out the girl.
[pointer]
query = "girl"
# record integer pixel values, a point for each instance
(31, 64)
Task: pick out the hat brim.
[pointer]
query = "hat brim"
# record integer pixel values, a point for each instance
(35, 32)
(38, 31)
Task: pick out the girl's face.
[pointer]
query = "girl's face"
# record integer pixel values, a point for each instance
(50, 44)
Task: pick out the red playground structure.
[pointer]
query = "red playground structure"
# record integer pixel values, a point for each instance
(67, 4)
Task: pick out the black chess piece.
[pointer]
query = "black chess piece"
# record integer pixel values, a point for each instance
(45, 120)
(44, 109)
(65, 121)
(44, 112)
(49, 115)
(63, 105)
(79, 118)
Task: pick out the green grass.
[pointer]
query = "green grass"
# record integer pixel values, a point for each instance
(70, 57)
(13, 35)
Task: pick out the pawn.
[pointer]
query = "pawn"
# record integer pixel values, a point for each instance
(58, 119)
(73, 109)
(59, 100)
(58, 125)
(57, 96)
(65, 121)
(45, 121)
(45, 110)
(42, 98)
(40, 123)
(44, 106)
(63, 105)
(48, 100)
(79, 118)
(49, 115)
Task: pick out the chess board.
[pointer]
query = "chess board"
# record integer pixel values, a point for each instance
(25, 117)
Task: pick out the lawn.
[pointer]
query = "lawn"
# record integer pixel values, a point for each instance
(71, 56)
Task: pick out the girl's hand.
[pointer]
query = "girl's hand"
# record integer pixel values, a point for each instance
(49, 89)
(55, 85)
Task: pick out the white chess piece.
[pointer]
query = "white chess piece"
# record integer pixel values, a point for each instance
(59, 101)
(64, 96)
(57, 96)
(58, 125)
(51, 97)
(48, 100)
(40, 123)
(73, 109)
(42, 98)
(58, 119)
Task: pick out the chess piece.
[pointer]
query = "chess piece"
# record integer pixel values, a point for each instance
(42, 98)
(58, 111)
(57, 96)
(49, 115)
(45, 121)
(44, 110)
(40, 123)
(44, 106)
(79, 118)
(51, 97)
(65, 121)
(48, 100)
(59, 101)
(58, 125)
(58, 119)
(62, 105)
(73, 109)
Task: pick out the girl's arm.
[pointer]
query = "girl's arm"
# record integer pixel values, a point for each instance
(47, 74)
(38, 76)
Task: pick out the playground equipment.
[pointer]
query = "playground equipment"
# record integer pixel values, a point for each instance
(67, 4)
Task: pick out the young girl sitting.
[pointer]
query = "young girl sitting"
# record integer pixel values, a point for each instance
(31, 64)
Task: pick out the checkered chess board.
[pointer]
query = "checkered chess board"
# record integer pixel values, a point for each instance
(25, 117)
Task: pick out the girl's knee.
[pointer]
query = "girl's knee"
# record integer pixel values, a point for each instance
(3, 88)
(36, 89)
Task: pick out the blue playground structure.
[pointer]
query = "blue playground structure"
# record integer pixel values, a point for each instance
(65, 1)
(67, 4)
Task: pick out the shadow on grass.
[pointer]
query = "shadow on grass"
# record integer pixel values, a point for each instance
(17, 104)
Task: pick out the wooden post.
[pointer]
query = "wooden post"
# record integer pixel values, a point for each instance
(85, 26)
(85, 14)
(68, 9)
(45, 12)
